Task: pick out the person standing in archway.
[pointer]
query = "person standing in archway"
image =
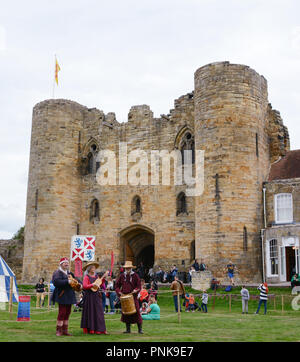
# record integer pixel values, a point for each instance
(130, 283)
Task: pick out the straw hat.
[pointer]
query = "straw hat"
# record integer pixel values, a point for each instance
(128, 264)
(90, 264)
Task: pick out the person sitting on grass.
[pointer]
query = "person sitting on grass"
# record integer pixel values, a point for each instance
(191, 305)
(144, 307)
(186, 301)
(153, 289)
(143, 295)
(153, 310)
(295, 281)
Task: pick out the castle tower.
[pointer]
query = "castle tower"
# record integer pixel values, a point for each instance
(53, 197)
(230, 126)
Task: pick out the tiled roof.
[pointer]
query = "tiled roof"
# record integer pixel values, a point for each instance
(286, 168)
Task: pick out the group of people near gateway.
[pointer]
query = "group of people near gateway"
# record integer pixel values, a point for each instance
(128, 283)
(92, 318)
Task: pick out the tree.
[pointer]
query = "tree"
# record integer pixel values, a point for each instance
(19, 235)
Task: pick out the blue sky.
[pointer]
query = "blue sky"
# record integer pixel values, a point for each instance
(115, 54)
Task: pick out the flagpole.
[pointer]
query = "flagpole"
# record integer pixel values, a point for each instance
(54, 76)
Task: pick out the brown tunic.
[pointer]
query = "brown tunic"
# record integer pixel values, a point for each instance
(126, 284)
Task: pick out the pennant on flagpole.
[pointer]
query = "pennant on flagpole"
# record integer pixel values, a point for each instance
(57, 69)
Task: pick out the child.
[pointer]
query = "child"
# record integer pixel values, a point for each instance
(191, 305)
(143, 309)
(79, 305)
(186, 302)
(204, 301)
(117, 304)
(106, 302)
(245, 297)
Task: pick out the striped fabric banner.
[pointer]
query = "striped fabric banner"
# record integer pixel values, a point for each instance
(5, 274)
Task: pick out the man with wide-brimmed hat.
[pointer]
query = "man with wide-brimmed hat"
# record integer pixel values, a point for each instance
(130, 283)
(64, 295)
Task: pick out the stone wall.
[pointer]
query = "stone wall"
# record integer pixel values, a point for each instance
(229, 116)
(201, 280)
(12, 251)
(230, 126)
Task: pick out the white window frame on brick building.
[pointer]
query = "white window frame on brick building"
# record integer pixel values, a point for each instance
(272, 257)
(283, 208)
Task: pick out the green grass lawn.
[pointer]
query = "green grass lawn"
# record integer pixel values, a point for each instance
(219, 324)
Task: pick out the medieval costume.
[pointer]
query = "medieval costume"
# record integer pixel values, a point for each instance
(129, 282)
(92, 318)
(64, 295)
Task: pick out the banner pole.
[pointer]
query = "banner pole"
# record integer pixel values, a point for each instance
(54, 76)
(11, 280)
(178, 306)
(48, 296)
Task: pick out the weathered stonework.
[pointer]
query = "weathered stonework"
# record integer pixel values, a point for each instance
(230, 118)
(201, 280)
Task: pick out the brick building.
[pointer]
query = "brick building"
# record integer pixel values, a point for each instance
(282, 219)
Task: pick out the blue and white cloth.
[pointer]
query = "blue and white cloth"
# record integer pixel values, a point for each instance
(5, 274)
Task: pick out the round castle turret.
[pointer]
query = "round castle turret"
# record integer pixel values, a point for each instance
(230, 126)
(53, 186)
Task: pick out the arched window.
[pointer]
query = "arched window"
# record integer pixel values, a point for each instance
(90, 160)
(136, 205)
(95, 211)
(90, 164)
(187, 144)
(193, 250)
(181, 204)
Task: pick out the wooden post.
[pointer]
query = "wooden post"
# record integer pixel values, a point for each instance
(282, 304)
(178, 307)
(48, 296)
(229, 302)
(11, 281)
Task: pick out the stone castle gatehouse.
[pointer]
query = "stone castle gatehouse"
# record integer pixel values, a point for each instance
(227, 115)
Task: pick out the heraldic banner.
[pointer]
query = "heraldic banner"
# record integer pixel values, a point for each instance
(83, 248)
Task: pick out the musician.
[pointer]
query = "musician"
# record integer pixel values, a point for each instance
(64, 295)
(129, 282)
(92, 318)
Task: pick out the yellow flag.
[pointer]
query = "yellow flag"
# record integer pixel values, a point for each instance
(57, 69)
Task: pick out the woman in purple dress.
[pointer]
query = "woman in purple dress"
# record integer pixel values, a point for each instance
(92, 318)
(129, 282)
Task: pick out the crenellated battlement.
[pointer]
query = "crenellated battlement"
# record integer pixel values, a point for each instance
(227, 115)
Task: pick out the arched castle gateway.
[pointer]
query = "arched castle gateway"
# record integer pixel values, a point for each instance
(227, 116)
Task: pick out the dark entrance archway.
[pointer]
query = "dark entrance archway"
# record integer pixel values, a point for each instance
(137, 245)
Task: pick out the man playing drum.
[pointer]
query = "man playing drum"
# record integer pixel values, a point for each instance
(129, 283)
